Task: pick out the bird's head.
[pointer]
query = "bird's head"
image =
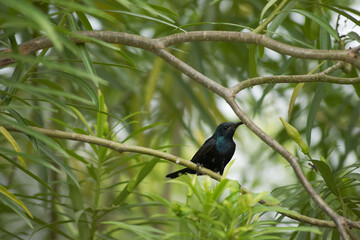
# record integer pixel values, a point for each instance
(226, 129)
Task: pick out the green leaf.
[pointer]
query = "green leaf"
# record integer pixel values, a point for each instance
(319, 20)
(341, 10)
(85, 8)
(261, 50)
(324, 43)
(315, 104)
(31, 132)
(144, 232)
(147, 18)
(83, 19)
(163, 9)
(16, 208)
(89, 66)
(14, 199)
(298, 88)
(295, 135)
(146, 169)
(30, 174)
(215, 23)
(354, 36)
(35, 15)
(279, 19)
(220, 188)
(153, 11)
(252, 61)
(63, 67)
(101, 123)
(140, 130)
(267, 6)
(84, 85)
(13, 143)
(77, 203)
(152, 81)
(47, 91)
(44, 149)
(294, 95)
(327, 175)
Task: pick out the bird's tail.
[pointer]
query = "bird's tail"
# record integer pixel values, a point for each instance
(180, 172)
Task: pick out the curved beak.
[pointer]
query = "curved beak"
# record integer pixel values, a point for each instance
(238, 124)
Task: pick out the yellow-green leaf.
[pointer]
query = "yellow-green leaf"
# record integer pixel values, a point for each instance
(13, 198)
(102, 124)
(13, 143)
(152, 81)
(294, 95)
(295, 135)
(298, 88)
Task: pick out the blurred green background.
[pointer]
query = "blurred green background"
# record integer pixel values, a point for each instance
(77, 191)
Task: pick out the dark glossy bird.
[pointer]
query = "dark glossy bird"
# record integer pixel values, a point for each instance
(216, 152)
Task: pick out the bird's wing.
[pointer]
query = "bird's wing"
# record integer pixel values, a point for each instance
(207, 150)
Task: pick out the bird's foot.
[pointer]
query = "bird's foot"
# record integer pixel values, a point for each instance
(198, 166)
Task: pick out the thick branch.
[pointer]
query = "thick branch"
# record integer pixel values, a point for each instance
(34, 45)
(340, 55)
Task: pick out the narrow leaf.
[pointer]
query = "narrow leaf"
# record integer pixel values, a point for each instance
(327, 175)
(319, 20)
(59, 162)
(13, 143)
(83, 19)
(294, 95)
(267, 6)
(14, 199)
(36, 15)
(252, 61)
(151, 82)
(101, 118)
(16, 208)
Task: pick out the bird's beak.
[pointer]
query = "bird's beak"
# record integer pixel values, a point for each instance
(238, 124)
(234, 127)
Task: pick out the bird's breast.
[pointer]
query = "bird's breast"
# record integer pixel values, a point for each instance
(224, 146)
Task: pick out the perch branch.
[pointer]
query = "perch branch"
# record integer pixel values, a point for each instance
(119, 147)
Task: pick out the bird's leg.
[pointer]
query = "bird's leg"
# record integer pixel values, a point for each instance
(198, 166)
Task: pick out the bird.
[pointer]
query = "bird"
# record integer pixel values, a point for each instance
(216, 151)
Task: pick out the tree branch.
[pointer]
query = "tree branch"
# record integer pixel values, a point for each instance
(340, 221)
(119, 147)
(318, 77)
(157, 46)
(350, 56)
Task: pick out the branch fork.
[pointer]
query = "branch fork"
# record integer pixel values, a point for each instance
(158, 47)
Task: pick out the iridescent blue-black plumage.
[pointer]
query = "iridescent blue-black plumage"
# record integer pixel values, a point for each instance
(216, 152)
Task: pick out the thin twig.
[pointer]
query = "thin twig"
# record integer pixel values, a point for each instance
(318, 77)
